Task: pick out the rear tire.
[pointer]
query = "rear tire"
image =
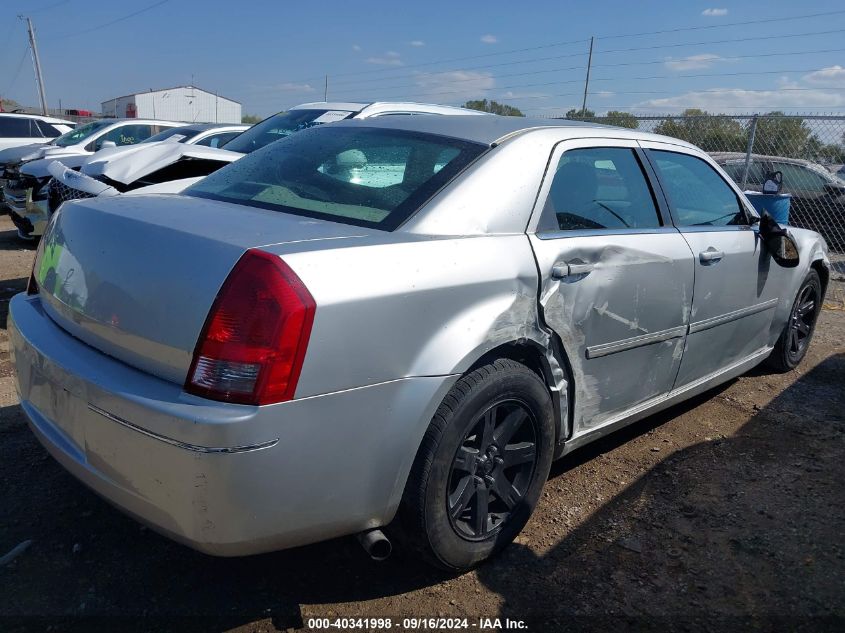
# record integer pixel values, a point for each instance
(481, 466)
(794, 341)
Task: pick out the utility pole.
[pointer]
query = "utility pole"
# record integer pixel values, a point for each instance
(587, 81)
(326, 91)
(38, 78)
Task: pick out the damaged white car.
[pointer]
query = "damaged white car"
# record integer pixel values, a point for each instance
(24, 169)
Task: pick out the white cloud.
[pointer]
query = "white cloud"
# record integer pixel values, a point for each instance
(714, 13)
(718, 99)
(510, 94)
(294, 87)
(356, 48)
(604, 93)
(390, 58)
(417, 43)
(454, 86)
(489, 39)
(693, 62)
(832, 76)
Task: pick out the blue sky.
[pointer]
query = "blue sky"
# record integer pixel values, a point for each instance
(270, 55)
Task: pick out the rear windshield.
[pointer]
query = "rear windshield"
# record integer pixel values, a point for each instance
(281, 125)
(371, 177)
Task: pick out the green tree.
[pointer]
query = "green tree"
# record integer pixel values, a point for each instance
(780, 135)
(493, 106)
(620, 119)
(250, 119)
(712, 133)
(580, 114)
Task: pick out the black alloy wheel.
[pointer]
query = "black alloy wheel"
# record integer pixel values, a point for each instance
(492, 469)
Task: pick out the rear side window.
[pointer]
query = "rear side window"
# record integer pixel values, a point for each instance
(14, 127)
(736, 170)
(698, 194)
(599, 188)
(364, 176)
(217, 140)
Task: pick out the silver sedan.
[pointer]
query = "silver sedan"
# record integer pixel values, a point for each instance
(396, 322)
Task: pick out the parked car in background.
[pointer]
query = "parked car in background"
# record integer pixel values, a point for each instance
(171, 168)
(17, 130)
(818, 197)
(150, 162)
(25, 194)
(406, 314)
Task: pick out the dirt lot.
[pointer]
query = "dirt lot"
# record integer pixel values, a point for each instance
(723, 513)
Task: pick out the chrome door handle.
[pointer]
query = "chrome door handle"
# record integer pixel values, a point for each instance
(710, 255)
(561, 270)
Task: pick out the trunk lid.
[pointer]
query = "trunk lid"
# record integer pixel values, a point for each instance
(135, 276)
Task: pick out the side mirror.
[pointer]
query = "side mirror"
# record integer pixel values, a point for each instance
(779, 242)
(107, 144)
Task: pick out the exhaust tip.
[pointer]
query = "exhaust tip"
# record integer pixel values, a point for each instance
(376, 544)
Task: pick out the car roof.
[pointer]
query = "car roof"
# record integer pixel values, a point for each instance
(719, 156)
(141, 121)
(489, 130)
(381, 106)
(202, 127)
(40, 117)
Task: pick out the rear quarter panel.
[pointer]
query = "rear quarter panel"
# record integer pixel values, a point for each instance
(411, 305)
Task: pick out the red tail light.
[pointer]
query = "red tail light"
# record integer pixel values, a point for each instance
(253, 342)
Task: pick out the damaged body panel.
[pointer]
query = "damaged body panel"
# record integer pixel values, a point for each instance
(416, 257)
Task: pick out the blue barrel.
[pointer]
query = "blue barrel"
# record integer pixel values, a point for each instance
(776, 204)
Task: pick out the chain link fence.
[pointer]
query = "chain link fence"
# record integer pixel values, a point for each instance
(809, 151)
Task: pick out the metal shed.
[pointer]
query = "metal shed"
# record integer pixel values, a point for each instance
(182, 103)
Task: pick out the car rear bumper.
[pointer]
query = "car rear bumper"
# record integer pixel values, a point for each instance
(224, 479)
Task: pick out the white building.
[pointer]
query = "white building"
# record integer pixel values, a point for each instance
(183, 103)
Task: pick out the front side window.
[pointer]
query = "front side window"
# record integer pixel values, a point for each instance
(698, 194)
(281, 125)
(364, 176)
(798, 178)
(599, 188)
(81, 133)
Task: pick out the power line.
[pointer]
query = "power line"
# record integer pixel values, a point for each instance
(599, 37)
(613, 65)
(18, 71)
(115, 21)
(594, 79)
(584, 54)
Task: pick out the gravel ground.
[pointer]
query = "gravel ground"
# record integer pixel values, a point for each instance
(724, 513)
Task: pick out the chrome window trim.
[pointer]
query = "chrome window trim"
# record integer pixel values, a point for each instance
(560, 234)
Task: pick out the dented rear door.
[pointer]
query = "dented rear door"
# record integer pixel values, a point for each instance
(616, 277)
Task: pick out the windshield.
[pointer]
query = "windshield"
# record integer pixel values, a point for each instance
(186, 133)
(81, 133)
(372, 177)
(281, 125)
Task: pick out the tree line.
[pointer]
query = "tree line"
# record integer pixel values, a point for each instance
(776, 134)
